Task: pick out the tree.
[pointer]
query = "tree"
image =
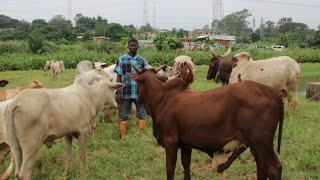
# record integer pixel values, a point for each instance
(270, 30)
(6, 22)
(235, 23)
(145, 28)
(60, 22)
(38, 23)
(284, 20)
(36, 42)
(167, 41)
(255, 37)
(130, 30)
(115, 32)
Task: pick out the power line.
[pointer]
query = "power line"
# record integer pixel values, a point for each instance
(286, 3)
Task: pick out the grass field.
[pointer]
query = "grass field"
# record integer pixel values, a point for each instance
(138, 156)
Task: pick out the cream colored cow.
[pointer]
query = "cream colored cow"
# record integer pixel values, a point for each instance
(69, 111)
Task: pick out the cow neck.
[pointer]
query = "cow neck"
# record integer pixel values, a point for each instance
(154, 94)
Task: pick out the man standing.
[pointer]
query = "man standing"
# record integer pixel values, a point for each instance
(128, 95)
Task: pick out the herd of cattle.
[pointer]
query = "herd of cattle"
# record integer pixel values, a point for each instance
(227, 119)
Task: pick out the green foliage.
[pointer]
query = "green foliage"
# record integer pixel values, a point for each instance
(234, 23)
(13, 47)
(255, 37)
(60, 22)
(160, 42)
(167, 42)
(36, 42)
(145, 28)
(6, 22)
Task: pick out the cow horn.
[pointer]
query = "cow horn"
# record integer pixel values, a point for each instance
(213, 52)
(226, 53)
(159, 68)
(174, 76)
(139, 70)
(195, 48)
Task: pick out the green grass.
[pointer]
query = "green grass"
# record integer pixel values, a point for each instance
(138, 156)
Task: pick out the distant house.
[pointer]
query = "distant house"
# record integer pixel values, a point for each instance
(152, 34)
(222, 40)
(100, 39)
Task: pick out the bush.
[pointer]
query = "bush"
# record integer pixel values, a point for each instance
(36, 42)
(13, 47)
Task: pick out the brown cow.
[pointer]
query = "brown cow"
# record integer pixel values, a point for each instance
(243, 113)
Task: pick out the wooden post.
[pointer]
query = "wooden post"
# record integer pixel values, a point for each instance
(313, 91)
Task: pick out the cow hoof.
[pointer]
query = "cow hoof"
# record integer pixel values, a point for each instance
(221, 168)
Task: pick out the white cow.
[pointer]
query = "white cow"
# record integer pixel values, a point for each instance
(49, 114)
(281, 73)
(55, 66)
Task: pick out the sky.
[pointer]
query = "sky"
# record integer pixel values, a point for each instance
(186, 14)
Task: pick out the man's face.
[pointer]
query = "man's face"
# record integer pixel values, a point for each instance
(133, 47)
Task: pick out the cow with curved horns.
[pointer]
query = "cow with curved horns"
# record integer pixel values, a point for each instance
(219, 69)
(244, 113)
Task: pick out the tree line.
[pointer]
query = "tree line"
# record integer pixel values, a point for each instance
(62, 31)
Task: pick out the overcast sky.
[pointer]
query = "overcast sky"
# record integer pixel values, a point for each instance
(187, 14)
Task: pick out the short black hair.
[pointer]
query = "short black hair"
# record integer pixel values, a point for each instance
(133, 40)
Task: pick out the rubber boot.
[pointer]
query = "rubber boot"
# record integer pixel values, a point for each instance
(123, 128)
(142, 124)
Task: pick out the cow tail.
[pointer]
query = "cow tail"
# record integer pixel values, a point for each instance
(281, 103)
(9, 121)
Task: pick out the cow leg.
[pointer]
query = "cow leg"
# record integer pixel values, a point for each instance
(68, 149)
(222, 167)
(272, 163)
(186, 159)
(261, 174)
(171, 159)
(16, 153)
(82, 141)
(29, 154)
(8, 171)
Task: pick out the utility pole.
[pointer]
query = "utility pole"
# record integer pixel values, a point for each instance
(69, 10)
(254, 24)
(145, 12)
(154, 14)
(261, 29)
(217, 13)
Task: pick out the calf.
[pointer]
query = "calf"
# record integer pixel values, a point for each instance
(245, 113)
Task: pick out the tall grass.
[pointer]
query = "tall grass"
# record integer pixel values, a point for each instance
(15, 55)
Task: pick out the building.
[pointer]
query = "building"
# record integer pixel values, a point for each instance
(100, 39)
(221, 40)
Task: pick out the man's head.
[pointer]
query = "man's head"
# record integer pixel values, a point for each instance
(133, 46)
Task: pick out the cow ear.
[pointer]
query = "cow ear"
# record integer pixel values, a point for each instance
(116, 85)
(135, 77)
(3, 83)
